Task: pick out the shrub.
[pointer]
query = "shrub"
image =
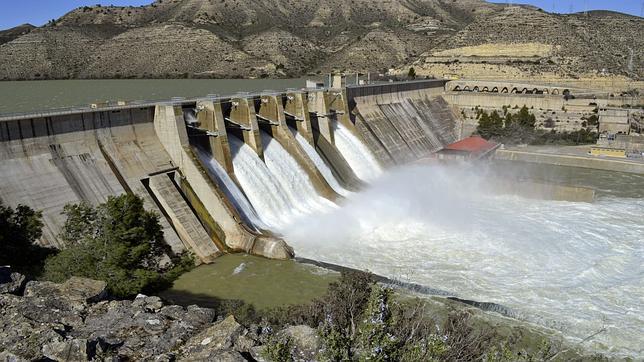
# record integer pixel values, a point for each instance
(118, 242)
(19, 230)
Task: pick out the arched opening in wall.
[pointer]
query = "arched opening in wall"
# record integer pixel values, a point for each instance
(476, 89)
(514, 90)
(536, 91)
(496, 90)
(546, 91)
(466, 89)
(485, 89)
(504, 90)
(555, 91)
(456, 89)
(524, 91)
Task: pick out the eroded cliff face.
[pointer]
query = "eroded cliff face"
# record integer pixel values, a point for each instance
(250, 38)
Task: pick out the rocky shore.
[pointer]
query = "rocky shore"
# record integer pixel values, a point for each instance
(74, 321)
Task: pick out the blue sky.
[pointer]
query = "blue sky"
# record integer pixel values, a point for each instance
(38, 12)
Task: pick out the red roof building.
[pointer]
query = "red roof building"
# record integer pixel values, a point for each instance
(473, 147)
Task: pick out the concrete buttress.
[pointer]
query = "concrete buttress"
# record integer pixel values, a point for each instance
(171, 130)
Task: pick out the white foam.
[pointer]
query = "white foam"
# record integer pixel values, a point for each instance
(577, 267)
(362, 162)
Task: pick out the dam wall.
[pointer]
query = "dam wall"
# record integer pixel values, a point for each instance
(164, 152)
(403, 123)
(49, 162)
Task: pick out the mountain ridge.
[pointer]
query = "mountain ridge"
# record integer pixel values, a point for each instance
(289, 38)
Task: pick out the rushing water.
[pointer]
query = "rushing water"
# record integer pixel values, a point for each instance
(225, 183)
(321, 165)
(576, 267)
(293, 179)
(356, 154)
(278, 188)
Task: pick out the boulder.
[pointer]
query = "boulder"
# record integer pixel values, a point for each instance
(74, 289)
(10, 357)
(149, 304)
(220, 336)
(11, 283)
(305, 341)
(132, 330)
(69, 350)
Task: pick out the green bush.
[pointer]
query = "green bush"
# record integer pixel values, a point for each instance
(278, 350)
(118, 242)
(19, 230)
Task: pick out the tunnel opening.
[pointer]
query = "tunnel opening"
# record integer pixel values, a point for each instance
(495, 90)
(504, 90)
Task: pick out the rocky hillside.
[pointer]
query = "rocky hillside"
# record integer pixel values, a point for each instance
(73, 321)
(252, 38)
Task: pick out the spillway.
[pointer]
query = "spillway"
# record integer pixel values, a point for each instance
(356, 154)
(234, 194)
(293, 179)
(321, 165)
(278, 188)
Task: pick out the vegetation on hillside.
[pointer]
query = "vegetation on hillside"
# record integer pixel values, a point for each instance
(360, 320)
(519, 128)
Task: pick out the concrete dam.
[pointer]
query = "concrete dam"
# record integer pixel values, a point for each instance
(225, 174)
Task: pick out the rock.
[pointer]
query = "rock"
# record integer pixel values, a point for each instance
(136, 331)
(305, 340)
(11, 283)
(10, 357)
(149, 304)
(221, 336)
(69, 350)
(74, 289)
(220, 355)
(272, 248)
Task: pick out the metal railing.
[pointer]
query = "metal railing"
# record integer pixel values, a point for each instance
(64, 111)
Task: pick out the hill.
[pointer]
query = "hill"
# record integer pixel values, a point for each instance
(253, 38)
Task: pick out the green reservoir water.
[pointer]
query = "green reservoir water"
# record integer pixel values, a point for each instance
(30, 96)
(259, 281)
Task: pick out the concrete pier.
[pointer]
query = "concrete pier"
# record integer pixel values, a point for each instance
(271, 115)
(296, 110)
(242, 113)
(211, 118)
